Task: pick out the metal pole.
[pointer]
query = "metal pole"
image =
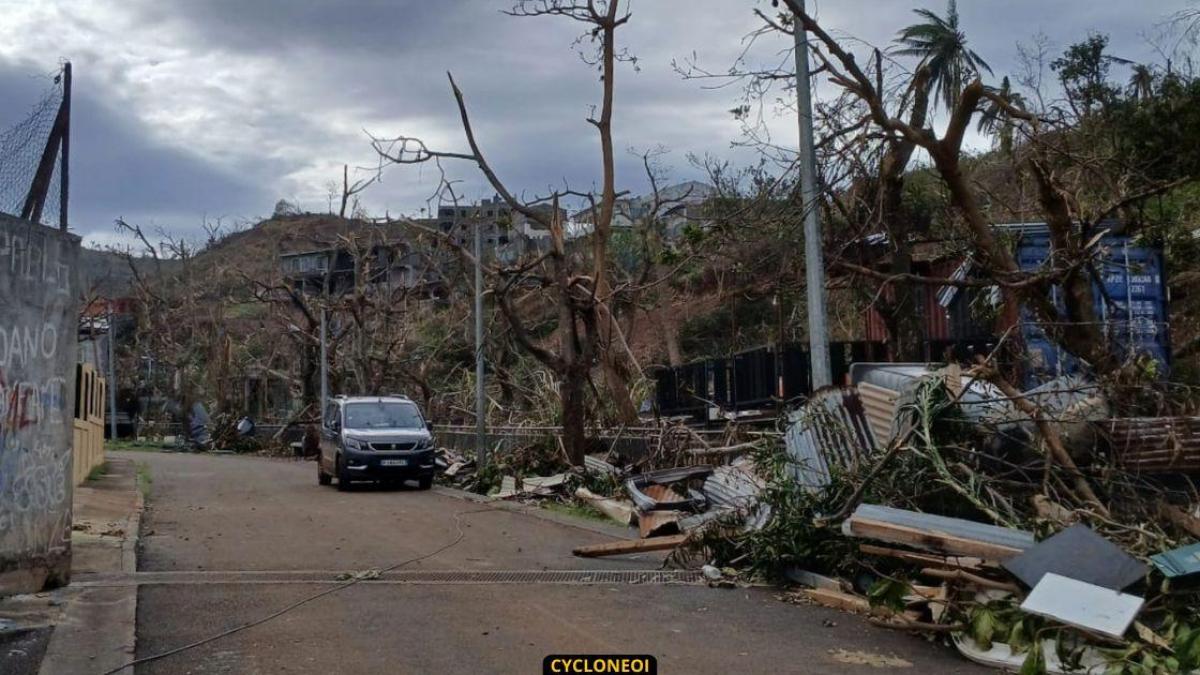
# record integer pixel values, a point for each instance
(112, 378)
(480, 402)
(324, 367)
(814, 266)
(65, 150)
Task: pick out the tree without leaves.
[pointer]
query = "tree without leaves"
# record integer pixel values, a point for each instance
(588, 330)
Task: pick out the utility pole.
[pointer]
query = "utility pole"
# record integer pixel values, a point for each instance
(814, 265)
(480, 402)
(324, 368)
(112, 377)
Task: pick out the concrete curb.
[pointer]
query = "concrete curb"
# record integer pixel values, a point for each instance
(99, 630)
(615, 531)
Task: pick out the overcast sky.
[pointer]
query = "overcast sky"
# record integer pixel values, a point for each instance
(193, 109)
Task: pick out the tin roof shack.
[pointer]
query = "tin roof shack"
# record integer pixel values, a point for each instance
(39, 293)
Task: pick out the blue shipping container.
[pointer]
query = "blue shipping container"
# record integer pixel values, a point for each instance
(1131, 301)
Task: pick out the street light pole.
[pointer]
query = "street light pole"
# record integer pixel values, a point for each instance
(112, 377)
(324, 368)
(814, 265)
(480, 440)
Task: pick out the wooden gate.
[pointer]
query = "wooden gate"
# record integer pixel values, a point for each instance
(89, 421)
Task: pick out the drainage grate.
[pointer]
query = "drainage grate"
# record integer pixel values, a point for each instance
(412, 577)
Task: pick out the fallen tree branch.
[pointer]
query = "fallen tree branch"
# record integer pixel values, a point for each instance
(967, 577)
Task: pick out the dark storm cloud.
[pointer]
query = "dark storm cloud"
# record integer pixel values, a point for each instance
(117, 171)
(221, 107)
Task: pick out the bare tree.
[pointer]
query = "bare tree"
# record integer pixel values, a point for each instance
(588, 330)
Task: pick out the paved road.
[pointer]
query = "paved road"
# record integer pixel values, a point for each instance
(212, 517)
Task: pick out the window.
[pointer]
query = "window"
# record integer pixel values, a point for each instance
(383, 415)
(331, 415)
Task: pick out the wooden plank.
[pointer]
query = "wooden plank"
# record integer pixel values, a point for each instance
(631, 546)
(837, 599)
(946, 543)
(924, 559)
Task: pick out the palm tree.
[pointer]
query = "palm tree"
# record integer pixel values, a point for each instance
(994, 120)
(942, 47)
(1141, 82)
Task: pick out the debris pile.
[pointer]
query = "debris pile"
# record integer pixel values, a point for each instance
(1032, 530)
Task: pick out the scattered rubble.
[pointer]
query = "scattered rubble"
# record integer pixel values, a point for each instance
(1025, 528)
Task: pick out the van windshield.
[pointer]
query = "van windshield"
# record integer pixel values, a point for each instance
(383, 415)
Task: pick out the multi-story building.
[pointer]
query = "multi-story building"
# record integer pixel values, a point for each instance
(507, 235)
(678, 205)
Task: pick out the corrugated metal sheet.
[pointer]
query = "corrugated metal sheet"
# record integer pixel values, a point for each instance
(954, 527)
(1156, 444)
(830, 431)
(879, 403)
(732, 489)
(642, 489)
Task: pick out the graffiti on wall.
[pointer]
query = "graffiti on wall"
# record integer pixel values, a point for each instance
(38, 324)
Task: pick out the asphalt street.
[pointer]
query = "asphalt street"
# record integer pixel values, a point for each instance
(231, 540)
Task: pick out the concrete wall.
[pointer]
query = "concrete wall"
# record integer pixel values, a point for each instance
(39, 314)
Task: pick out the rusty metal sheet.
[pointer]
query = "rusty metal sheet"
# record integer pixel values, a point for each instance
(662, 493)
(1156, 444)
(638, 486)
(830, 432)
(653, 523)
(880, 406)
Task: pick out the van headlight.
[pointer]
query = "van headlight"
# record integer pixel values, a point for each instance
(355, 444)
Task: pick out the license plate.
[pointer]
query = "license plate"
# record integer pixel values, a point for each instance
(393, 462)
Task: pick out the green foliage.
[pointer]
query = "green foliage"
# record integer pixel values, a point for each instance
(983, 626)
(889, 593)
(740, 323)
(1083, 72)
(791, 536)
(98, 471)
(1035, 660)
(942, 47)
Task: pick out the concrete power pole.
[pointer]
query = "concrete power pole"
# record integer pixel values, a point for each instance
(324, 369)
(480, 401)
(112, 377)
(814, 265)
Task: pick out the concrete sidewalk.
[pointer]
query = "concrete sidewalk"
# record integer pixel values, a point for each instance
(91, 630)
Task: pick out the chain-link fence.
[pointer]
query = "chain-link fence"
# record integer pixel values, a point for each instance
(32, 157)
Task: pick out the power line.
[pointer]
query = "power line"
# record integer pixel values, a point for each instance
(299, 603)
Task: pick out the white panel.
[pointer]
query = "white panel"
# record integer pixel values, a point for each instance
(1083, 605)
